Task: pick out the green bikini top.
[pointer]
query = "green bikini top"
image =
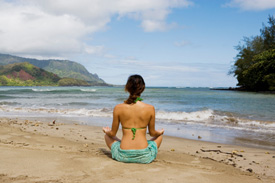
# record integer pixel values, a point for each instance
(134, 131)
(138, 99)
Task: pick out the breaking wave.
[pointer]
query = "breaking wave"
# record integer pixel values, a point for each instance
(46, 90)
(207, 117)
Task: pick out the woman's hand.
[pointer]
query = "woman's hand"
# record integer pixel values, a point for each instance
(106, 129)
(160, 131)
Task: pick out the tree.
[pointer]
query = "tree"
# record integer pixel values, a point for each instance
(259, 76)
(254, 65)
(251, 47)
(268, 34)
(3, 80)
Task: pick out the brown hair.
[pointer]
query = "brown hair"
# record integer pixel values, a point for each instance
(135, 86)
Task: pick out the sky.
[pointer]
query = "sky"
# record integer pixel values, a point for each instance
(174, 43)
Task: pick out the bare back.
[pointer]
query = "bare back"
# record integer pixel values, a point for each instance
(138, 116)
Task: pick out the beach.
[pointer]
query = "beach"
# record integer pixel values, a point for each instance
(37, 150)
(228, 117)
(200, 73)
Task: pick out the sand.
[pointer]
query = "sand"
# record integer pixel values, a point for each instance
(35, 151)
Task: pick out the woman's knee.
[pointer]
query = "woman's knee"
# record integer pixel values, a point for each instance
(158, 140)
(109, 141)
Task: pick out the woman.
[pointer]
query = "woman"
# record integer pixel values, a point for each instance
(134, 117)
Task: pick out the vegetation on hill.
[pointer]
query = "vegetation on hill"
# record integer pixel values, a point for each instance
(255, 63)
(63, 68)
(26, 74)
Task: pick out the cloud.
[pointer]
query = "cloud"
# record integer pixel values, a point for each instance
(133, 63)
(174, 74)
(252, 4)
(168, 73)
(99, 50)
(152, 25)
(62, 27)
(174, 68)
(28, 30)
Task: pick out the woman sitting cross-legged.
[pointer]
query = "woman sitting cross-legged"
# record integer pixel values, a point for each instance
(134, 116)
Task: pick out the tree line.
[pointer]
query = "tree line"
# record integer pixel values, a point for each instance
(254, 65)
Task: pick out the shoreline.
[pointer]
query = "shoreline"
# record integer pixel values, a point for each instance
(185, 131)
(222, 117)
(242, 90)
(35, 151)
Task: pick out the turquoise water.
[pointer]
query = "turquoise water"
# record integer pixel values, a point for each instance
(243, 118)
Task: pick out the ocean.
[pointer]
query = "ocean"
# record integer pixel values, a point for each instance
(230, 117)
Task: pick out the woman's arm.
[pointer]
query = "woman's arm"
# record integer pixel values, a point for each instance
(112, 132)
(151, 126)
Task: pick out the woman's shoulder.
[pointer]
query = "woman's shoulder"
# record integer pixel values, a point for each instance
(147, 106)
(123, 105)
(120, 105)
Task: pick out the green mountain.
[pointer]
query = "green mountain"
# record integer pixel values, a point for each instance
(63, 68)
(26, 74)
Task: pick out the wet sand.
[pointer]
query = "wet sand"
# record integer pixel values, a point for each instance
(35, 151)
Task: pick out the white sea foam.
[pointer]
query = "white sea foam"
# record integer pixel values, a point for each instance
(204, 117)
(68, 112)
(88, 90)
(265, 129)
(42, 90)
(185, 116)
(58, 89)
(211, 119)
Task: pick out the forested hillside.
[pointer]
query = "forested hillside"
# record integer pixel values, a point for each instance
(63, 68)
(26, 74)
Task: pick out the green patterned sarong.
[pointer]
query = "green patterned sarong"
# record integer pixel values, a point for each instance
(146, 155)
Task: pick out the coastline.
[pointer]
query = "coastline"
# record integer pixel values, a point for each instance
(221, 117)
(242, 90)
(36, 151)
